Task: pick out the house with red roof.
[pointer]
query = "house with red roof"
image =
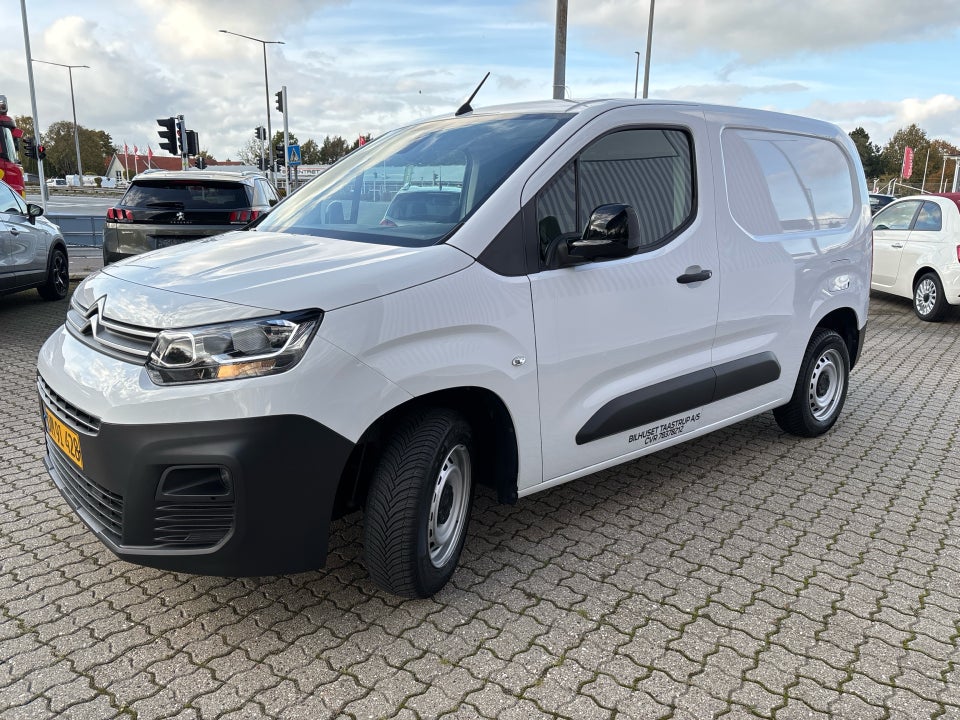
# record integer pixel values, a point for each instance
(125, 165)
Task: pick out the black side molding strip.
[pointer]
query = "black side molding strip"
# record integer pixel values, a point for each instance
(677, 395)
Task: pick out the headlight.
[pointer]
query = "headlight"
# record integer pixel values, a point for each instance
(246, 348)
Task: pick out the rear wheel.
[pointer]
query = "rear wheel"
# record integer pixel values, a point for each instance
(418, 507)
(928, 300)
(58, 277)
(821, 387)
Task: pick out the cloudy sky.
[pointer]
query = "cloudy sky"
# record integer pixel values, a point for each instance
(363, 66)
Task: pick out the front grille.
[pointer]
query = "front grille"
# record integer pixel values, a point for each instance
(69, 413)
(99, 504)
(192, 525)
(117, 339)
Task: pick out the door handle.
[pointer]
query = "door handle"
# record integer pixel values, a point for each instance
(13, 231)
(897, 245)
(692, 277)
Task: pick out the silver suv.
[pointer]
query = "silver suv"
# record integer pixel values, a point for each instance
(32, 251)
(163, 208)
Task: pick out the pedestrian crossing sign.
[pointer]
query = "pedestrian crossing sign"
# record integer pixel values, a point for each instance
(293, 155)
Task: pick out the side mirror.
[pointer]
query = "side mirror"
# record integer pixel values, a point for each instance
(33, 212)
(613, 231)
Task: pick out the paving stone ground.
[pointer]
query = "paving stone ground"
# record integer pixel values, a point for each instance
(748, 574)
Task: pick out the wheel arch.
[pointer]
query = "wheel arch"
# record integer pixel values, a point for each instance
(495, 444)
(58, 244)
(843, 321)
(921, 271)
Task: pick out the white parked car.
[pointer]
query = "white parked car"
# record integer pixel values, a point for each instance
(916, 252)
(612, 278)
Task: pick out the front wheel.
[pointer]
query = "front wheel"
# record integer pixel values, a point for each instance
(58, 277)
(418, 507)
(928, 301)
(821, 387)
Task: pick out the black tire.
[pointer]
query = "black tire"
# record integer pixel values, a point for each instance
(928, 301)
(821, 387)
(58, 277)
(418, 505)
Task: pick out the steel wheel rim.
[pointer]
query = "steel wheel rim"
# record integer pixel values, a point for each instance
(826, 385)
(926, 296)
(60, 275)
(449, 506)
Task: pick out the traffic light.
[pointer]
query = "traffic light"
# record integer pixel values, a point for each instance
(260, 133)
(41, 152)
(279, 155)
(193, 142)
(279, 95)
(30, 147)
(200, 163)
(169, 135)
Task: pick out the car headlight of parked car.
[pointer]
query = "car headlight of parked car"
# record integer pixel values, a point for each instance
(246, 348)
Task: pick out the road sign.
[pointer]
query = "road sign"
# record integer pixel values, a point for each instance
(293, 155)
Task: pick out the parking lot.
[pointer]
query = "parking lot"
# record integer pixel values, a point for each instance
(746, 574)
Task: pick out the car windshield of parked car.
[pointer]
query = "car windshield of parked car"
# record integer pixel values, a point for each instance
(414, 186)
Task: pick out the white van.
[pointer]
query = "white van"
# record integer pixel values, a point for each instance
(620, 276)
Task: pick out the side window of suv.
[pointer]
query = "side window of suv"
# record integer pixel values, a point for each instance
(649, 169)
(264, 194)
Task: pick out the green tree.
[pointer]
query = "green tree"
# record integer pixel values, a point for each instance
(892, 154)
(25, 123)
(939, 171)
(96, 146)
(249, 154)
(332, 149)
(356, 143)
(869, 153)
(310, 152)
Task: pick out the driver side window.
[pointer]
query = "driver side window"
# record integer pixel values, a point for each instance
(649, 169)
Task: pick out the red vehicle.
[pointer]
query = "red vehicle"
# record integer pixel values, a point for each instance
(10, 171)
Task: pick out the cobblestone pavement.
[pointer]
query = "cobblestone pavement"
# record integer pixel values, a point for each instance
(746, 574)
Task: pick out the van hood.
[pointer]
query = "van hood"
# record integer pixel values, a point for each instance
(285, 272)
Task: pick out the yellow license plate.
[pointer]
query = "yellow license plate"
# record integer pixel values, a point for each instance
(64, 438)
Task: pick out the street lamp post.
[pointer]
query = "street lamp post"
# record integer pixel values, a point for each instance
(266, 89)
(646, 65)
(636, 77)
(76, 130)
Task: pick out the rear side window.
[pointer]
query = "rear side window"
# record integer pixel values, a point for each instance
(783, 183)
(187, 195)
(929, 218)
(650, 169)
(264, 194)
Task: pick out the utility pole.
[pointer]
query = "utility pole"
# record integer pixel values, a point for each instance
(182, 125)
(646, 65)
(636, 77)
(33, 102)
(560, 52)
(286, 137)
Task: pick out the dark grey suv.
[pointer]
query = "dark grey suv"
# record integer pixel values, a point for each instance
(163, 208)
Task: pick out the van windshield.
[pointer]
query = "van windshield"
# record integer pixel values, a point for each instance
(414, 186)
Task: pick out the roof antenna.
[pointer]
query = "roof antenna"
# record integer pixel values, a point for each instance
(465, 108)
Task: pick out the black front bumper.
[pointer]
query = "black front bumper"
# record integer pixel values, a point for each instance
(237, 498)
